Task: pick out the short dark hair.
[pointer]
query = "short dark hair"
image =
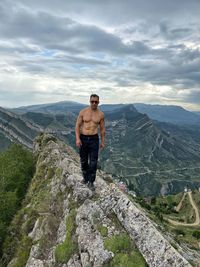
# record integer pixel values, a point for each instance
(94, 95)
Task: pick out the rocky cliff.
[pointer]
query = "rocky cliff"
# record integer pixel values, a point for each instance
(63, 223)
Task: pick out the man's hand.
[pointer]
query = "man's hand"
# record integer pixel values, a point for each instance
(78, 143)
(102, 145)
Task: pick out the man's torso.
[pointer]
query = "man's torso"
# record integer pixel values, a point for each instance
(91, 120)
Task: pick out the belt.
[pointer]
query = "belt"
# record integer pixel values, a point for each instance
(95, 136)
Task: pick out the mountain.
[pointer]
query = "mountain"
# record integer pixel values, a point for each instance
(59, 107)
(111, 107)
(63, 223)
(150, 160)
(13, 128)
(55, 121)
(172, 114)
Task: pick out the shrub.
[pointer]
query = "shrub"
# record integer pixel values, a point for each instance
(196, 234)
(179, 232)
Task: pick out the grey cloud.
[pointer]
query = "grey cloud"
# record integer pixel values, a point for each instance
(174, 33)
(82, 60)
(114, 12)
(193, 96)
(49, 31)
(8, 47)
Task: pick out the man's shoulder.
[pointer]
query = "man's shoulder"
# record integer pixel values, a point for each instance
(101, 113)
(84, 110)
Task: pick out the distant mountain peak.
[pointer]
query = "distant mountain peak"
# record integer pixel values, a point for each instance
(129, 108)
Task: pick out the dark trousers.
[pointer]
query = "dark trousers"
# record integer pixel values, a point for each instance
(89, 156)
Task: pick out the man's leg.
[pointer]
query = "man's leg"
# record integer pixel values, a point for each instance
(93, 158)
(84, 160)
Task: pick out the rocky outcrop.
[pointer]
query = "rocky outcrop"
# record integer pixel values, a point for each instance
(68, 225)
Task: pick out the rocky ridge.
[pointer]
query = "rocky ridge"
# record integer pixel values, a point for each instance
(63, 223)
(16, 129)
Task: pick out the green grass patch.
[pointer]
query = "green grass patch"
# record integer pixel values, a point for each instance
(118, 243)
(103, 230)
(125, 252)
(134, 259)
(23, 252)
(65, 250)
(50, 172)
(58, 172)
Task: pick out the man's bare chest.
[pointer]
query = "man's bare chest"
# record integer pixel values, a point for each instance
(91, 117)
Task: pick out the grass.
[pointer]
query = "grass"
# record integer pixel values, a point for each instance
(23, 252)
(103, 230)
(118, 243)
(187, 236)
(125, 252)
(65, 250)
(134, 259)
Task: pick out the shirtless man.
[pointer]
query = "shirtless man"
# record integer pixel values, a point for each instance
(87, 139)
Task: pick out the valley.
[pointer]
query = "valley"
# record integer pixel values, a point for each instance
(150, 157)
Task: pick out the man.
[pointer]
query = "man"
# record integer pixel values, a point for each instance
(87, 139)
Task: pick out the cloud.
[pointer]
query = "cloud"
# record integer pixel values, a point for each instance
(144, 50)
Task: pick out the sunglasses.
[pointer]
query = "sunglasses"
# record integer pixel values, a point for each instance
(94, 102)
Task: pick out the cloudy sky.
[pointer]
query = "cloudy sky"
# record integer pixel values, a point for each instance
(126, 51)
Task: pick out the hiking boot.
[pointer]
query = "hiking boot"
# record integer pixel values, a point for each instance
(91, 186)
(84, 181)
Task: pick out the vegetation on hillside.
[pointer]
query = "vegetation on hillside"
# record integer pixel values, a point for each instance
(16, 171)
(160, 209)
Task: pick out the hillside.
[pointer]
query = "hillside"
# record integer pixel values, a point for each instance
(13, 128)
(150, 160)
(63, 223)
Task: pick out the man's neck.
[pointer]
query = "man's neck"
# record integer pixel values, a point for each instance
(93, 109)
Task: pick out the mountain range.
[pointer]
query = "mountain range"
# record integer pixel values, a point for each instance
(172, 114)
(151, 157)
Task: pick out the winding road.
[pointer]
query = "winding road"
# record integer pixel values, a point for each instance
(197, 220)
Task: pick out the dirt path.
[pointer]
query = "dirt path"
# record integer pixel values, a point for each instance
(197, 220)
(181, 202)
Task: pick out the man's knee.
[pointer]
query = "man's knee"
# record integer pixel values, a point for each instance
(93, 163)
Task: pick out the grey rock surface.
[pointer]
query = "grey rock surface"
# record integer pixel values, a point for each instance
(65, 193)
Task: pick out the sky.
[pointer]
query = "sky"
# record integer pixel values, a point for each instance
(125, 51)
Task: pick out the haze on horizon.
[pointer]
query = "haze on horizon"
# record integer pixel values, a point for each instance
(126, 52)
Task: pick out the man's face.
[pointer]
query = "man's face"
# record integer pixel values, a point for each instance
(94, 101)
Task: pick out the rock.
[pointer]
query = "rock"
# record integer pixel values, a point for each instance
(63, 190)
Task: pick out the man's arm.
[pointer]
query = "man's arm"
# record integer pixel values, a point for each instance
(102, 132)
(79, 122)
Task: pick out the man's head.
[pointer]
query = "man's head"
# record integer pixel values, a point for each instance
(94, 101)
